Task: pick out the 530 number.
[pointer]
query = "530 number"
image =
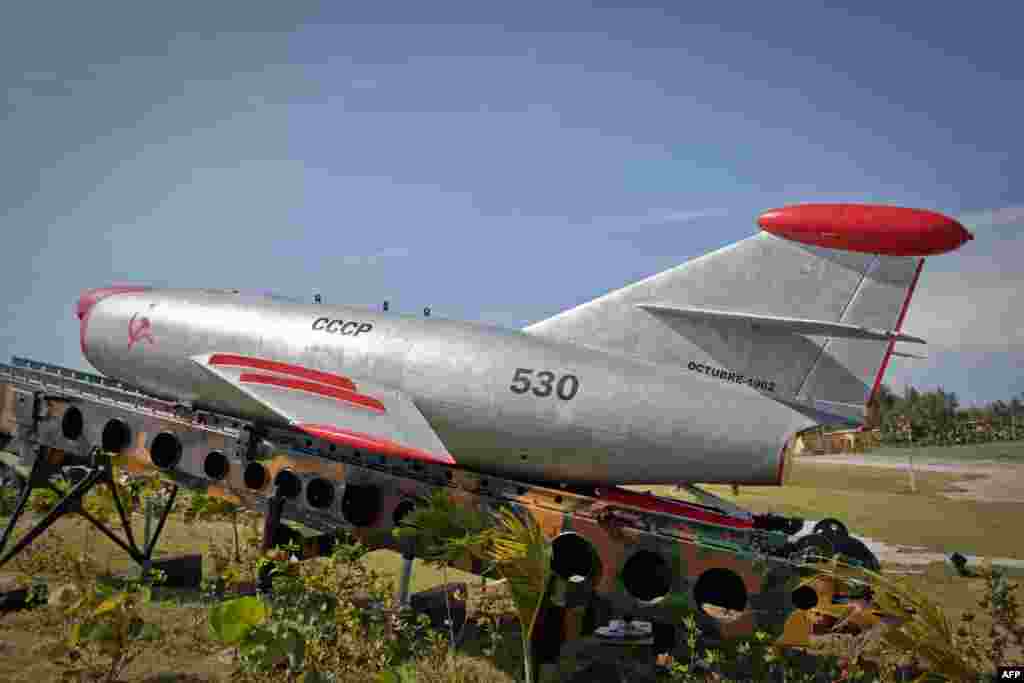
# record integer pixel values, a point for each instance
(565, 388)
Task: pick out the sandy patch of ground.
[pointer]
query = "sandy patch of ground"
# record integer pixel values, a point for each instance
(995, 482)
(985, 481)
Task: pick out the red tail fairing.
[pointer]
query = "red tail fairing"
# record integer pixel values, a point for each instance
(888, 230)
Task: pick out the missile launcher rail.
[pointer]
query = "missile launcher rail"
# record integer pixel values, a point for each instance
(615, 551)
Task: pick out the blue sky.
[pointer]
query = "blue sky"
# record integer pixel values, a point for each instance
(499, 162)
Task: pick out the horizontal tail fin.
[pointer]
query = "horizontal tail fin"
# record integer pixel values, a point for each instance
(809, 325)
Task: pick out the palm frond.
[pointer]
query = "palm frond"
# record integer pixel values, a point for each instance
(916, 626)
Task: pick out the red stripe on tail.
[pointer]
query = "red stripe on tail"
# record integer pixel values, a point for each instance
(899, 325)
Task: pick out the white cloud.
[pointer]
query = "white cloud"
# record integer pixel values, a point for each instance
(968, 311)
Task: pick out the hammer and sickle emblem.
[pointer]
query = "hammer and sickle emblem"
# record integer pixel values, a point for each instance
(139, 329)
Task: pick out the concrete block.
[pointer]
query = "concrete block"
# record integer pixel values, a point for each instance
(432, 603)
(183, 571)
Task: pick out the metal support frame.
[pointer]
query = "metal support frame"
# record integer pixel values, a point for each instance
(99, 471)
(272, 520)
(406, 579)
(271, 536)
(712, 500)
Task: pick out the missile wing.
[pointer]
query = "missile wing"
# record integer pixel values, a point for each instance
(328, 406)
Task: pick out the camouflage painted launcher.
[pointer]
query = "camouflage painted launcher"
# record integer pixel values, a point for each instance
(625, 552)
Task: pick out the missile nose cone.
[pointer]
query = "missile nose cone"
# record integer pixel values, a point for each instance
(90, 297)
(86, 300)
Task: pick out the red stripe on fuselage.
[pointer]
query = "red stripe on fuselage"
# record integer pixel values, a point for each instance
(234, 360)
(677, 508)
(373, 443)
(314, 388)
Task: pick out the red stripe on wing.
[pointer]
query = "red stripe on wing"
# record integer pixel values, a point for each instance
(234, 360)
(351, 397)
(373, 443)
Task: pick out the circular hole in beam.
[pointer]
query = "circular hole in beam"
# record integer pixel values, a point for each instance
(319, 493)
(165, 451)
(72, 424)
(647, 576)
(360, 504)
(255, 476)
(572, 555)
(216, 465)
(288, 484)
(721, 588)
(805, 597)
(116, 436)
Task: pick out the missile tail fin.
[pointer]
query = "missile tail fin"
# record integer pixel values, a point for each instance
(809, 325)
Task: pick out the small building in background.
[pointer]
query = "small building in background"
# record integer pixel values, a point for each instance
(819, 442)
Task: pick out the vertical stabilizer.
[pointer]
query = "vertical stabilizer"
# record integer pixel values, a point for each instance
(780, 312)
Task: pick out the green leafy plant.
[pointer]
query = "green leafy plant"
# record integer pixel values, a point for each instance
(262, 644)
(515, 547)
(231, 621)
(106, 630)
(204, 508)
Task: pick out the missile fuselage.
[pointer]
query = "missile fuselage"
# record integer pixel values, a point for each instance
(503, 402)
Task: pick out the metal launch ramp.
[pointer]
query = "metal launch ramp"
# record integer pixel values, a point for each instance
(615, 551)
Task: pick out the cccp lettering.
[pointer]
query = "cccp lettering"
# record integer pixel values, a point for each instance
(349, 328)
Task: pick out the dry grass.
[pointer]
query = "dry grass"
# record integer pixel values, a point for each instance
(186, 647)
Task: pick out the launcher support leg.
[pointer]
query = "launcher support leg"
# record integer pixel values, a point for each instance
(148, 552)
(26, 491)
(406, 578)
(46, 465)
(271, 532)
(42, 470)
(69, 504)
(272, 520)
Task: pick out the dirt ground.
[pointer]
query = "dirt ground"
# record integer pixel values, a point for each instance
(984, 481)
